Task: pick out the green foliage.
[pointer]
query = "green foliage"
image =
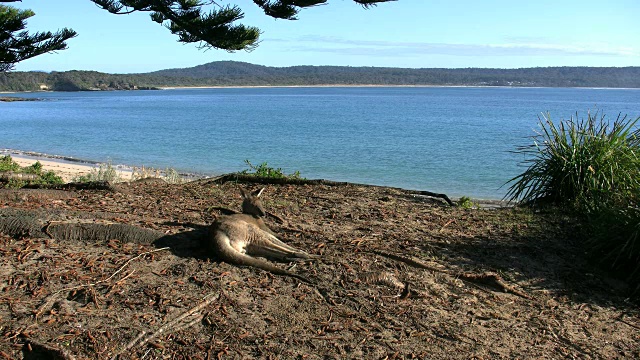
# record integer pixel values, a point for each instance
(233, 73)
(188, 19)
(465, 202)
(7, 164)
(614, 240)
(50, 177)
(265, 171)
(216, 28)
(15, 184)
(16, 44)
(36, 168)
(591, 167)
(104, 172)
(580, 163)
(43, 178)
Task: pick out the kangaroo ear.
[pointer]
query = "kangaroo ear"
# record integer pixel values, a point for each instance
(245, 193)
(257, 193)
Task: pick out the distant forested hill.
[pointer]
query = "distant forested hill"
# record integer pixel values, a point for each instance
(232, 73)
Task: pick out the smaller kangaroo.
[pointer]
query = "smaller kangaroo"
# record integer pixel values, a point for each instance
(237, 238)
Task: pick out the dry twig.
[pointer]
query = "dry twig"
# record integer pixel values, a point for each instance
(53, 296)
(211, 297)
(489, 279)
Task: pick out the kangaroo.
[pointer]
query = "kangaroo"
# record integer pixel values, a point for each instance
(237, 238)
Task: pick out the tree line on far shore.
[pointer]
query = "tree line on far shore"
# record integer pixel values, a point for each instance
(233, 73)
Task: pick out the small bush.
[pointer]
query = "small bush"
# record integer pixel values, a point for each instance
(144, 173)
(584, 164)
(265, 171)
(43, 178)
(36, 168)
(592, 168)
(7, 164)
(465, 202)
(104, 172)
(172, 176)
(15, 184)
(50, 177)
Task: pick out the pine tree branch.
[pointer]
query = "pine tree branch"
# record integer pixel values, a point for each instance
(16, 44)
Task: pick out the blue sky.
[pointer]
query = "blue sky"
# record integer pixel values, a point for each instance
(405, 33)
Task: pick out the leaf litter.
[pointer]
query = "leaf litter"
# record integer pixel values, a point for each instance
(400, 276)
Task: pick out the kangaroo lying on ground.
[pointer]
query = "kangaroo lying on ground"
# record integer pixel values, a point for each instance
(237, 238)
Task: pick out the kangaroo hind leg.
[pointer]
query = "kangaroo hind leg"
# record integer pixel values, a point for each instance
(268, 246)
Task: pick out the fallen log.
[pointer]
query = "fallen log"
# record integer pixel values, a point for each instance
(247, 178)
(11, 175)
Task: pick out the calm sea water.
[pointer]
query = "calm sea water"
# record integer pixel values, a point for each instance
(451, 140)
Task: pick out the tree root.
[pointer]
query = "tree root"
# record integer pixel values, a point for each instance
(485, 280)
(26, 224)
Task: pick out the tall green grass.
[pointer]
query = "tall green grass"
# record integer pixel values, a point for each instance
(590, 167)
(582, 163)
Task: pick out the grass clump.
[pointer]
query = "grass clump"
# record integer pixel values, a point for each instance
(108, 172)
(465, 202)
(144, 172)
(584, 164)
(25, 176)
(590, 167)
(265, 171)
(170, 175)
(7, 164)
(104, 172)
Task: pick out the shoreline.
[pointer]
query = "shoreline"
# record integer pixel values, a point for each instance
(327, 86)
(70, 168)
(67, 168)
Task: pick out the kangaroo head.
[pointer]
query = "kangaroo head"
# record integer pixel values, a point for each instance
(251, 204)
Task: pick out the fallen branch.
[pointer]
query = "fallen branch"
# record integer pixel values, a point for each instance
(487, 279)
(447, 224)
(211, 297)
(494, 281)
(409, 260)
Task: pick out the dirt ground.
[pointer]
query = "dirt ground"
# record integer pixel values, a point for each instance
(400, 276)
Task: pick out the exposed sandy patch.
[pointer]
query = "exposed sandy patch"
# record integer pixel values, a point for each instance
(68, 171)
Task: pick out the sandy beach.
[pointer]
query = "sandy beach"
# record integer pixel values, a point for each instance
(67, 170)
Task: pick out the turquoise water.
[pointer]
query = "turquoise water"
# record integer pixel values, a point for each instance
(452, 140)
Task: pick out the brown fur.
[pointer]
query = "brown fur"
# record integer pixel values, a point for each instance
(238, 238)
